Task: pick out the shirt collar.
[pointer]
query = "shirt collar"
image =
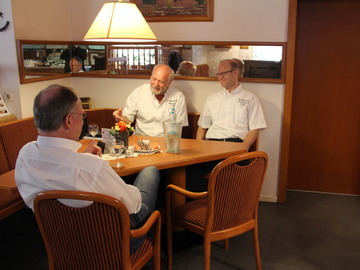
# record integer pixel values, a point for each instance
(236, 91)
(58, 142)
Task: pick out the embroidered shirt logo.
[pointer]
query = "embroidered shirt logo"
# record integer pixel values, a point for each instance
(243, 102)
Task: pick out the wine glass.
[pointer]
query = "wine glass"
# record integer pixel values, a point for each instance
(117, 147)
(93, 129)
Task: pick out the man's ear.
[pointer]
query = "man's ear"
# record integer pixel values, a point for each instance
(68, 120)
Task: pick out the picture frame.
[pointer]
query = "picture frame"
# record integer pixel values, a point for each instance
(176, 10)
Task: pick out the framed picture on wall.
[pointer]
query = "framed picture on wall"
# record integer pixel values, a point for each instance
(176, 10)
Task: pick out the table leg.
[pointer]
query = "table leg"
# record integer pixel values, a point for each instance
(177, 176)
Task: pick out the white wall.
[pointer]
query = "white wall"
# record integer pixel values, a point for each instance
(9, 77)
(241, 20)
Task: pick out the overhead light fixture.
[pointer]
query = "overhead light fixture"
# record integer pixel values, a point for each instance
(120, 21)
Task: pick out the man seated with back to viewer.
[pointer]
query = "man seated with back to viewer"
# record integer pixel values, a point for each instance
(150, 103)
(53, 163)
(232, 114)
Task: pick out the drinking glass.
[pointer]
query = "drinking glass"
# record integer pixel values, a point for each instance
(93, 129)
(117, 147)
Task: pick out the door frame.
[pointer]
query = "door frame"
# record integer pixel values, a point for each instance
(289, 84)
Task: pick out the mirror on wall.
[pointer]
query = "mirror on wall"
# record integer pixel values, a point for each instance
(44, 60)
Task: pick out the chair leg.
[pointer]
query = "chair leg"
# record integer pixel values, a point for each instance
(157, 255)
(169, 234)
(207, 254)
(226, 244)
(257, 247)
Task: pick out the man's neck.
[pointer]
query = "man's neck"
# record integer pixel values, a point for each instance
(160, 97)
(233, 88)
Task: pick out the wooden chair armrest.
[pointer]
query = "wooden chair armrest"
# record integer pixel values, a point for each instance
(186, 193)
(155, 217)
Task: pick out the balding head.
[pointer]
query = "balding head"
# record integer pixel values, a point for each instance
(51, 105)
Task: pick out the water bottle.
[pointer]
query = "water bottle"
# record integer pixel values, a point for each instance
(172, 136)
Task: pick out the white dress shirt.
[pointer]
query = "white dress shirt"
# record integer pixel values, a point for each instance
(231, 115)
(54, 164)
(143, 106)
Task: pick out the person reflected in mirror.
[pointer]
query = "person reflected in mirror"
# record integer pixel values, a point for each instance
(175, 59)
(74, 50)
(53, 162)
(76, 64)
(241, 66)
(149, 103)
(186, 68)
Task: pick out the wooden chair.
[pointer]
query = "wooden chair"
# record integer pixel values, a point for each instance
(227, 209)
(95, 236)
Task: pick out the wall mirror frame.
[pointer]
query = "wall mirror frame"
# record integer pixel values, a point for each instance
(40, 60)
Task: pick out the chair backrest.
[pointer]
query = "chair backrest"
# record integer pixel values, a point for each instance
(103, 117)
(4, 164)
(15, 135)
(96, 236)
(190, 131)
(234, 190)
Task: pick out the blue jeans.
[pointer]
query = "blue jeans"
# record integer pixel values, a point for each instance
(147, 182)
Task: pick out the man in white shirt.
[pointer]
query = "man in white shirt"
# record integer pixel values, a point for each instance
(53, 163)
(150, 104)
(233, 113)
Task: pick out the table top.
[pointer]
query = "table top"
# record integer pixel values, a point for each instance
(191, 152)
(7, 183)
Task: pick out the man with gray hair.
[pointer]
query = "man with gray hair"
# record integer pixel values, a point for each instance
(53, 163)
(149, 103)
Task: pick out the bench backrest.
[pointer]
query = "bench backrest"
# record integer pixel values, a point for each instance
(14, 135)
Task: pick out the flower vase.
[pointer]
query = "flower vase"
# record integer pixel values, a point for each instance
(124, 136)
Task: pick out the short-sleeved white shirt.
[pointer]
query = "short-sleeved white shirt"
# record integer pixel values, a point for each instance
(54, 164)
(143, 106)
(231, 115)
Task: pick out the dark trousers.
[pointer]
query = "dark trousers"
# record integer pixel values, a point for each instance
(196, 179)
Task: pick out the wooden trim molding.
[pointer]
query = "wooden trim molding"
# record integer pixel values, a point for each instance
(289, 83)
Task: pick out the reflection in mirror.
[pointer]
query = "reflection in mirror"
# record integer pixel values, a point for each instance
(259, 61)
(90, 57)
(41, 60)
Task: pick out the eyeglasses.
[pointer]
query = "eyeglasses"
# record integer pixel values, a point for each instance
(224, 73)
(83, 115)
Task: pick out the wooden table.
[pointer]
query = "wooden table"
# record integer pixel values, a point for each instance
(7, 183)
(191, 152)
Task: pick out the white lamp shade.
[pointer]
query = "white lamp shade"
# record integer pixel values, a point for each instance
(120, 22)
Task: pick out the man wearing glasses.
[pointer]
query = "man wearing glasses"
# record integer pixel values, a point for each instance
(53, 163)
(233, 114)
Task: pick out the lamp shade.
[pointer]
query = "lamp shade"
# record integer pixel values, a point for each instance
(120, 22)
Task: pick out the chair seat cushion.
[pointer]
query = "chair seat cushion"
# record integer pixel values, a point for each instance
(7, 200)
(192, 212)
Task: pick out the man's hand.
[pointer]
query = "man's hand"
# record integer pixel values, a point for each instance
(118, 115)
(93, 149)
